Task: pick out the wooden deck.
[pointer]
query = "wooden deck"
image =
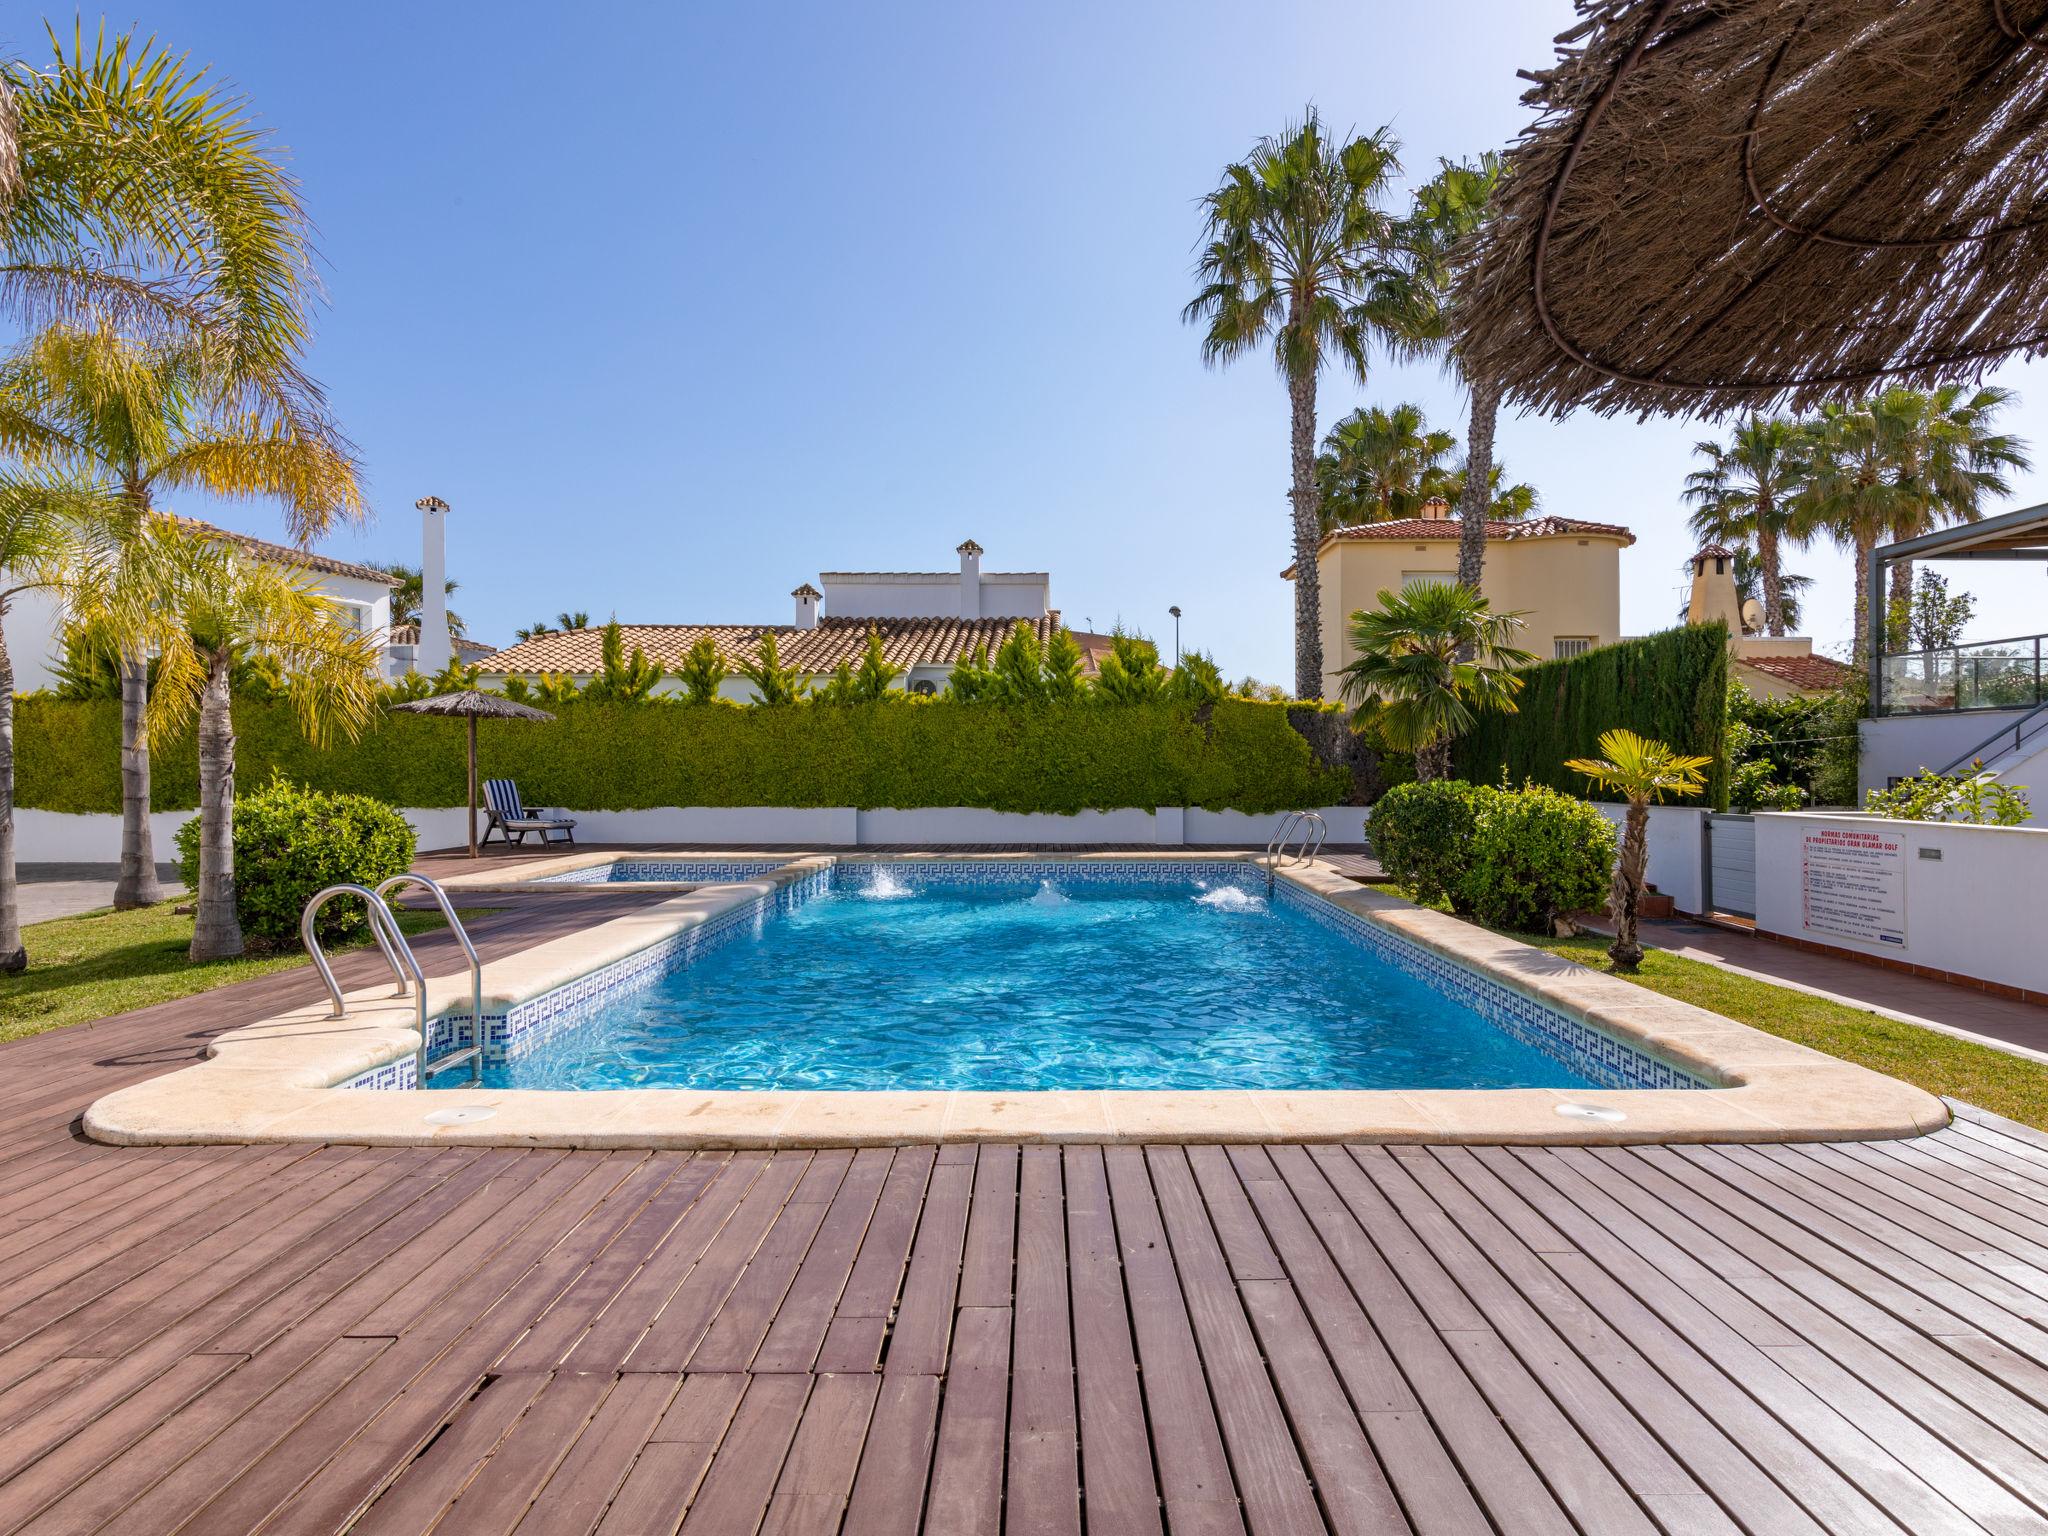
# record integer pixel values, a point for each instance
(1260, 1339)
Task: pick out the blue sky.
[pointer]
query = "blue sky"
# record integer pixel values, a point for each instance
(678, 305)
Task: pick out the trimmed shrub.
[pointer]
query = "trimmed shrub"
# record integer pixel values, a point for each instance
(1671, 687)
(1422, 835)
(903, 753)
(290, 842)
(1537, 854)
(1513, 858)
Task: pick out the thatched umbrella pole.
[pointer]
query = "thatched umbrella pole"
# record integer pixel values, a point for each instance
(472, 705)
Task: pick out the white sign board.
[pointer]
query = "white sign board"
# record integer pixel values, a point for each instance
(1854, 884)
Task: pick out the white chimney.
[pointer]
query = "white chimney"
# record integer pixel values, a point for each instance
(434, 648)
(970, 580)
(807, 606)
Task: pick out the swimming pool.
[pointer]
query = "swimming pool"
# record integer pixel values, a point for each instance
(629, 871)
(979, 975)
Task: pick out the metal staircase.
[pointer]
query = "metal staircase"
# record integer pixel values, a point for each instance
(1302, 832)
(398, 954)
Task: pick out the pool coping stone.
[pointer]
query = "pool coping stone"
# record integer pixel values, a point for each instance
(277, 1081)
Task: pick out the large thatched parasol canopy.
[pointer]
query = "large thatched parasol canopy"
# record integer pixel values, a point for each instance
(473, 705)
(1731, 203)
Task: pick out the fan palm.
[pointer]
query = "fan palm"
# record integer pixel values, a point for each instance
(1378, 464)
(199, 604)
(1641, 771)
(409, 597)
(1948, 460)
(1899, 464)
(1747, 494)
(133, 189)
(1299, 253)
(51, 536)
(1510, 502)
(136, 420)
(1449, 210)
(1429, 661)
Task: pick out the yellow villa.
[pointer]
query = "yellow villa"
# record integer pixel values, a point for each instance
(1562, 575)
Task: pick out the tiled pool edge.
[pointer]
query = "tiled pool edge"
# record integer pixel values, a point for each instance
(1592, 1053)
(270, 1083)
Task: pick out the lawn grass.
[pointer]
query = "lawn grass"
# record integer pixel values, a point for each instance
(2004, 1084)
(103, 963)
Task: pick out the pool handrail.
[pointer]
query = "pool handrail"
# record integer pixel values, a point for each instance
(473, 1053)
(1314, 832)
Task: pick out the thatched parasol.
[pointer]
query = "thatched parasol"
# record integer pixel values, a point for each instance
(1735, 203)
(473, 706)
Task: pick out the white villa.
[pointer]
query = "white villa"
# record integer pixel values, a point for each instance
(35, 619)
(929, 621)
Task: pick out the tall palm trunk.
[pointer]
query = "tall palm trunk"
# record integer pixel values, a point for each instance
(1308, 607)
(216, 931)
(1433, 761)
(12, 956)
(1629, 869)
(1476, 500)
(138, 885)
(1767, 564)
(1860, 651)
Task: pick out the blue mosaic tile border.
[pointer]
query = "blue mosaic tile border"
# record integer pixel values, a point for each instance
(1594, 1054)
(702, 871)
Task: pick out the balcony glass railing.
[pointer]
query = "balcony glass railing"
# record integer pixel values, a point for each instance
(1986, 674)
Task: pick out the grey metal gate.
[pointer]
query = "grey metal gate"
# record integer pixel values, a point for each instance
(1730, 864)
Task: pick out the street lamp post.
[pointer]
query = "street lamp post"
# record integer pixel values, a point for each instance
(1175, 611)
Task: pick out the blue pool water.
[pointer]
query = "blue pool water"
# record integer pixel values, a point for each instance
(888, 982)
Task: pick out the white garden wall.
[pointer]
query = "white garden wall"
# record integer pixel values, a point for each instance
(1677, 848)
(50, 837)
(1965, 900)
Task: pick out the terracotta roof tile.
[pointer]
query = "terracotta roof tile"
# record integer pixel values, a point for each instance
(289, 554)
(469, 650)
(906, 642)
(1820, 673)
(1499, 530)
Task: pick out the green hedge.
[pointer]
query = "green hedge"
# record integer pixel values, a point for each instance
(1234, 755)
(1672, 687)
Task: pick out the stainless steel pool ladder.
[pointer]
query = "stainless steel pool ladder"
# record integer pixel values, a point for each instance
(399, 956)
(1305, 831)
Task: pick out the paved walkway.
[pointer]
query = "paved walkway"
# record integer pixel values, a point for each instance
(65, 890)
(1916, 999)
(1273, 1340)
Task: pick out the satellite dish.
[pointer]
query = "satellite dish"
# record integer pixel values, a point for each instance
(1752, 615)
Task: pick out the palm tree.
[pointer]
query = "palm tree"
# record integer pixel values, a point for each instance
(576, 620)
(1747, 494)
(1640, 771)
(1508, 502)
(1848, 493)
(1449, 209)
(200, 604)
(140, 419)
(1379, 464)
(1299, 253)
(139, 192)
(1899, 464)
(536, 628)
(1429, 661)
(49, 535)
(409, 597)
(1948, 460)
